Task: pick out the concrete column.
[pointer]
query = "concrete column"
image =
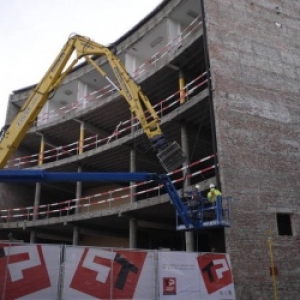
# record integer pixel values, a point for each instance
(132, 168)
(78, 183)
(133, 221)
(32, 236)
(78, 188)
(132, 233)
(79, 170)
(189, 236)
(78, 196)
(75, 235)
(37, 198)
(36, 204)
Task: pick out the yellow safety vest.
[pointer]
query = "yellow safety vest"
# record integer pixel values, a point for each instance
(212, 195)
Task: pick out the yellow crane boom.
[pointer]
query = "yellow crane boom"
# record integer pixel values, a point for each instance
(170, 155)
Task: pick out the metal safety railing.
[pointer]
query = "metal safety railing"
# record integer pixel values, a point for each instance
(105, 200)
(124, 128)
(151, 64)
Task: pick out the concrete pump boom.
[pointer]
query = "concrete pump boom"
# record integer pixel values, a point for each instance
(190, 219)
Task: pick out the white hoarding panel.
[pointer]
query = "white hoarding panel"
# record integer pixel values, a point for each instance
(36, 272)
(195, 276)
(29, 271)
(93, 273)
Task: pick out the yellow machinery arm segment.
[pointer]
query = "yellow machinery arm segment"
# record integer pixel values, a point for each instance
(170, 155)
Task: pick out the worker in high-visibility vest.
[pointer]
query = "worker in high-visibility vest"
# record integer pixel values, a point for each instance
(213, 193)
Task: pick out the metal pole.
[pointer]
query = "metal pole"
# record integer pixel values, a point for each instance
(272, 267)
(81, 138)
(42, 149)
(182, 91)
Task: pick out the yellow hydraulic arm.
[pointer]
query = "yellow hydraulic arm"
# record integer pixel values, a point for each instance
(170, 155)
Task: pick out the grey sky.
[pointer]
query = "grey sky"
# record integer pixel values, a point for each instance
(33, 32)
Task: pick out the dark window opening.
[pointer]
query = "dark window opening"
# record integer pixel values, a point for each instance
(284, 224)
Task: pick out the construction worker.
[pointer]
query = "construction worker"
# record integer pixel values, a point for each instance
(197, 188)
(213, 193)
(197, 193)
(194, 197)
(194, 201)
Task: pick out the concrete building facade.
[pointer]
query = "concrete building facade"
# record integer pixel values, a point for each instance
(224, 78)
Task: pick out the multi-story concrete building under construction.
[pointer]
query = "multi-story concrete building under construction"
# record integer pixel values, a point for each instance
(223, 77)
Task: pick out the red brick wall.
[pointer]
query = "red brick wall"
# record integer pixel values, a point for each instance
(255, 65)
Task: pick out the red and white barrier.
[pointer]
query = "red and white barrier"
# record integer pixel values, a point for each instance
(93, 142)
(63, 208)
(36, 272)
(29, 272)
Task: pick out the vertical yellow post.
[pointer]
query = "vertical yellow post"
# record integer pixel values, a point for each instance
(41, 154)
(182, 93)
(81, 138)
(272, 267)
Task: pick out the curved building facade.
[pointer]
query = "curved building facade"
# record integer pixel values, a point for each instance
(223, 77)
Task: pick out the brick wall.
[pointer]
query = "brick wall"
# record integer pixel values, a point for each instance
(255, 64)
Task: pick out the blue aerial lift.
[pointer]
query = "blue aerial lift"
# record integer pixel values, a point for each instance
(203, 215)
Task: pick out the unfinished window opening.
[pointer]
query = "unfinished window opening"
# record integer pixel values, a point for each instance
(284, 224)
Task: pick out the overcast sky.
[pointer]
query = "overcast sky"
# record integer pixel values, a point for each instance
(34, 31)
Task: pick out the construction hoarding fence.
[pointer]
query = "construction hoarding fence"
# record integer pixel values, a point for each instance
(35, 272)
